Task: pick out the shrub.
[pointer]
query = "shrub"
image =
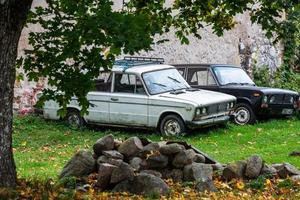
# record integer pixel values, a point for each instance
(284, 78)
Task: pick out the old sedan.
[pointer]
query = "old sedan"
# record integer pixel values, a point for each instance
(252, 101)
(148, 94)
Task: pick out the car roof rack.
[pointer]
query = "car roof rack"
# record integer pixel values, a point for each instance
(130, 61)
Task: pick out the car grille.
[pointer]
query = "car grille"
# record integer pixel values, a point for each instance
(281, 99)
(217, 108)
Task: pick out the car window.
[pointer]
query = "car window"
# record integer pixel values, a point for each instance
(210, 78)
(164, 80)
(104, 76)
(232, 75)
(128, 83)
(181, 71)
(200, 76)
(103, 82)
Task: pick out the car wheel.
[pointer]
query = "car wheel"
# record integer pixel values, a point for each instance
(172, 125)
(243, 114)
(74, 119)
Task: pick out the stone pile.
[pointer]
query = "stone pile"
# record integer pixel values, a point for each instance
(254, 166)
(139, 166)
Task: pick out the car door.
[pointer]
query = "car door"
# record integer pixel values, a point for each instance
(128, 101)
(201, 77)
(99, 100)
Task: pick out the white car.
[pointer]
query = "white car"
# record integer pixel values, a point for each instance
(148, 94)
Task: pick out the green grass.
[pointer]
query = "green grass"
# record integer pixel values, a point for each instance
(41, 148)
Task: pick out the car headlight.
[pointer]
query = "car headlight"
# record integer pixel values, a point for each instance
(291, 100)
(201, 111)
(230, 105)
(198, 112)
(265, 99)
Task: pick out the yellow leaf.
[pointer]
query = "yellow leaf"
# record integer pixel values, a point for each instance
(240, 185)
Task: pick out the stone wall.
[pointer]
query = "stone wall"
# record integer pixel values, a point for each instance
(239, 46)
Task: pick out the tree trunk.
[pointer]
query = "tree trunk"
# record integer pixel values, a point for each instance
(13, 14)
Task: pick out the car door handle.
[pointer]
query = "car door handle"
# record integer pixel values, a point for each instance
(92, 105)
(114, 99)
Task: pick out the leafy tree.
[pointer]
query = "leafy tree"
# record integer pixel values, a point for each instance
(78, 32)
(69, 52)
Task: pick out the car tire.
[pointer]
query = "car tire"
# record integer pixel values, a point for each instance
(243, 114)
(74, 119)
(172, 125)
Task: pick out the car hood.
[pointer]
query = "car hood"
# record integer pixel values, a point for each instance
(265, 90)
(201, 97)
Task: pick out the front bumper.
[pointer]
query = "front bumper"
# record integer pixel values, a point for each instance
(278, 110)
(208, 122)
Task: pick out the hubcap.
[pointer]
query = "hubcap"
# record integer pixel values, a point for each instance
(172, 128)
(74, 120)
(242, 116)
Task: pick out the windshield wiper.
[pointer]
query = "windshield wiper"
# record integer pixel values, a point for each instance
(232, 83)
(159, 84)
(192, 89)
(247, 84)
(174, 79)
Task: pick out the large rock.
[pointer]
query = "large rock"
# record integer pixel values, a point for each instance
(104, 175)
(199, 158)
(205, 185)
(157, 161)
(103, 144)
(268, 170)
(122, 172)
(173, 148)
(149, 149)
(145, 184)
(113, 154)
(286, 169)
(81, 164)
(175, 174)
(136, 163)
(234, 170)
(153, 172)
(254, 166)
(183, 158)
(112, 161)
(218, 167)
(131, 146)
(197, 171)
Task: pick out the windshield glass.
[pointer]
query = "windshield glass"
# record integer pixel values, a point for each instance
(164, 81)
(232, 75)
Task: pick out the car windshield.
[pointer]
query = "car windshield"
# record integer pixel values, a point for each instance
(232, 76)
(164, 81)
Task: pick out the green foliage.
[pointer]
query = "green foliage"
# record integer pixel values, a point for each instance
(284, 78)
(80, 38)
(286, 183)
(259, 183)
(66, 182)
(262, 76)
(291, 41)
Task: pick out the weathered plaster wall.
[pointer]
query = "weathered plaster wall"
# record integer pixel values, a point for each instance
(229, 49)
